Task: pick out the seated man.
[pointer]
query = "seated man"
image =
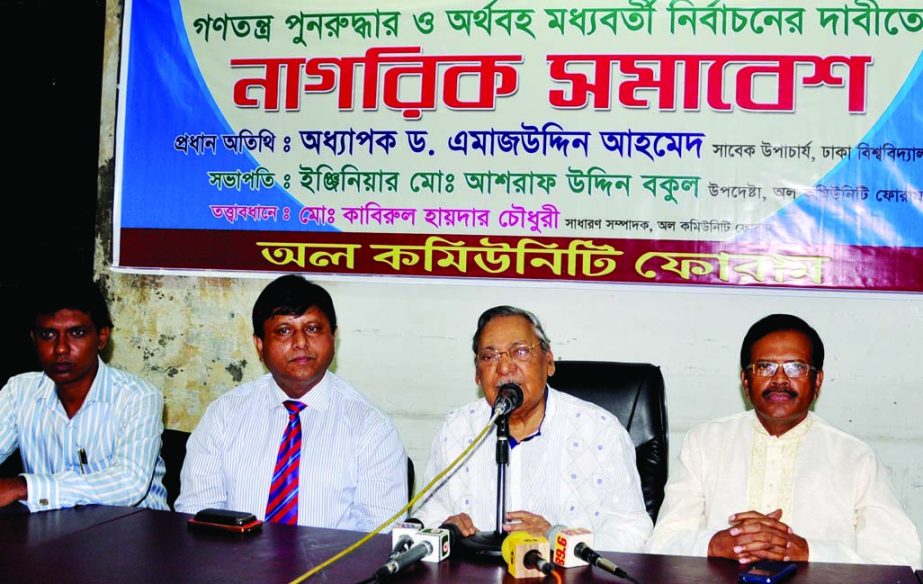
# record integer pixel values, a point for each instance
(298, 445)
(87, 433)
(571, 462)
(779, 483)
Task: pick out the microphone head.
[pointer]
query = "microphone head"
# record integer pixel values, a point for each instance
(514, 549)
(404, 529)
(438, 540)
(512, 392)
(455, 533)
(564, 543)
(509, 397)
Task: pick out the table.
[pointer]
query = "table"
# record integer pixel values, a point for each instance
(115, 544)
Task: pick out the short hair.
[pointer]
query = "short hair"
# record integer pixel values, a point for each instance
(497, 311)
(782, 322)
(291, 295)
(83, 296)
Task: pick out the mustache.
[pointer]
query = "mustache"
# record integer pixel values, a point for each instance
(787, 391)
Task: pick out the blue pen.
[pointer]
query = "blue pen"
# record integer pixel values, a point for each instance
(82, 455)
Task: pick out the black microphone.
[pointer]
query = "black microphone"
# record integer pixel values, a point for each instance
(429, 545)
(590, 556)
(455, 533)
(509, 397)
(417, 552)
(402, 535)
(534, 559)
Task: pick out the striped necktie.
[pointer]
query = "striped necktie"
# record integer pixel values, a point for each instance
(282, 506)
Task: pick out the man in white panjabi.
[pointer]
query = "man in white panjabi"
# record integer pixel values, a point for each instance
(778, 482)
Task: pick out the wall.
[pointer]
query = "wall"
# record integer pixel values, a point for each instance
(406, 344)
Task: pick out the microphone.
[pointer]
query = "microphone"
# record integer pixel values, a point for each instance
(590, 556)
(572, 548)
(563, 540)
(509, 397)
(402, 536)
(524, 555)
(455, 533)
(429, 545)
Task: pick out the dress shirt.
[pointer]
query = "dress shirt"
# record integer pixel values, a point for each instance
(118, 427)
(830, 486)
(353, 471)
(579, 471)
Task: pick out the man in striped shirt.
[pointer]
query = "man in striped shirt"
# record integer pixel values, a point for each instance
(298, 445)
(87, 433)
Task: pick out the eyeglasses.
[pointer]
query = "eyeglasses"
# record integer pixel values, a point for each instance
(791, 368)
(517, 352)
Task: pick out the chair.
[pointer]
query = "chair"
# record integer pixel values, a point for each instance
(411, 475)
(634, 393)
(173, 451)
(12, 466)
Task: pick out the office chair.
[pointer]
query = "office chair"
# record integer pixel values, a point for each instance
(634, 393)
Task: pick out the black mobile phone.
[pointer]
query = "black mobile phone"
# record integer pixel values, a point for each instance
(227, 521)
(767, 572)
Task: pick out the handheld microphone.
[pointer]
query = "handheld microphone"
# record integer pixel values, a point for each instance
(572, 548)
(590, 556)
(525, 555)
(563, 540)
(509, 397)
(402, 536)
(429, 545)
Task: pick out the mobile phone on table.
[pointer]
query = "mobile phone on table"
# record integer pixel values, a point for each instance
(767, 572)
(226, 521)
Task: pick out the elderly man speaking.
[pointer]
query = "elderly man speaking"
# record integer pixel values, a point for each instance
(571, 462)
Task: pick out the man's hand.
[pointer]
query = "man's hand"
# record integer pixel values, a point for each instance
(12, 490)
(754, 536)
(530, 522)
(464, 524)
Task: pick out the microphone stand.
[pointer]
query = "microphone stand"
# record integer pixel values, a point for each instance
(487, 544)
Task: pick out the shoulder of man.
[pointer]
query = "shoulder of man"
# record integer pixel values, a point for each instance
(846, 442)
(240, 398)
(574, 407)
(25, 382)
(722, 428)
(24, 388)
(344, 394)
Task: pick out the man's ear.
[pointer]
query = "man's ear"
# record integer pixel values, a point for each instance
(103, 336)
(744, 380)
(818, 381)
(258, 343)
(550, 356)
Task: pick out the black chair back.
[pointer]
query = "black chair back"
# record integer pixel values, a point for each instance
(173, 451)
(411, 477)
(634, 393)
(12, 466)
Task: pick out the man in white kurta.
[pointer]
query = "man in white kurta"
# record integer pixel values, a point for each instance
(571, 462)
(777, 482)
(831, 488)
(579, 471)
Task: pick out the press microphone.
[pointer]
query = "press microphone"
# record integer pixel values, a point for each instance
(572, 548)
(402, 535)
(563, 540)
(525, 555)
(429, 545)
(455, 533)
(509, 397)
(590, 556)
